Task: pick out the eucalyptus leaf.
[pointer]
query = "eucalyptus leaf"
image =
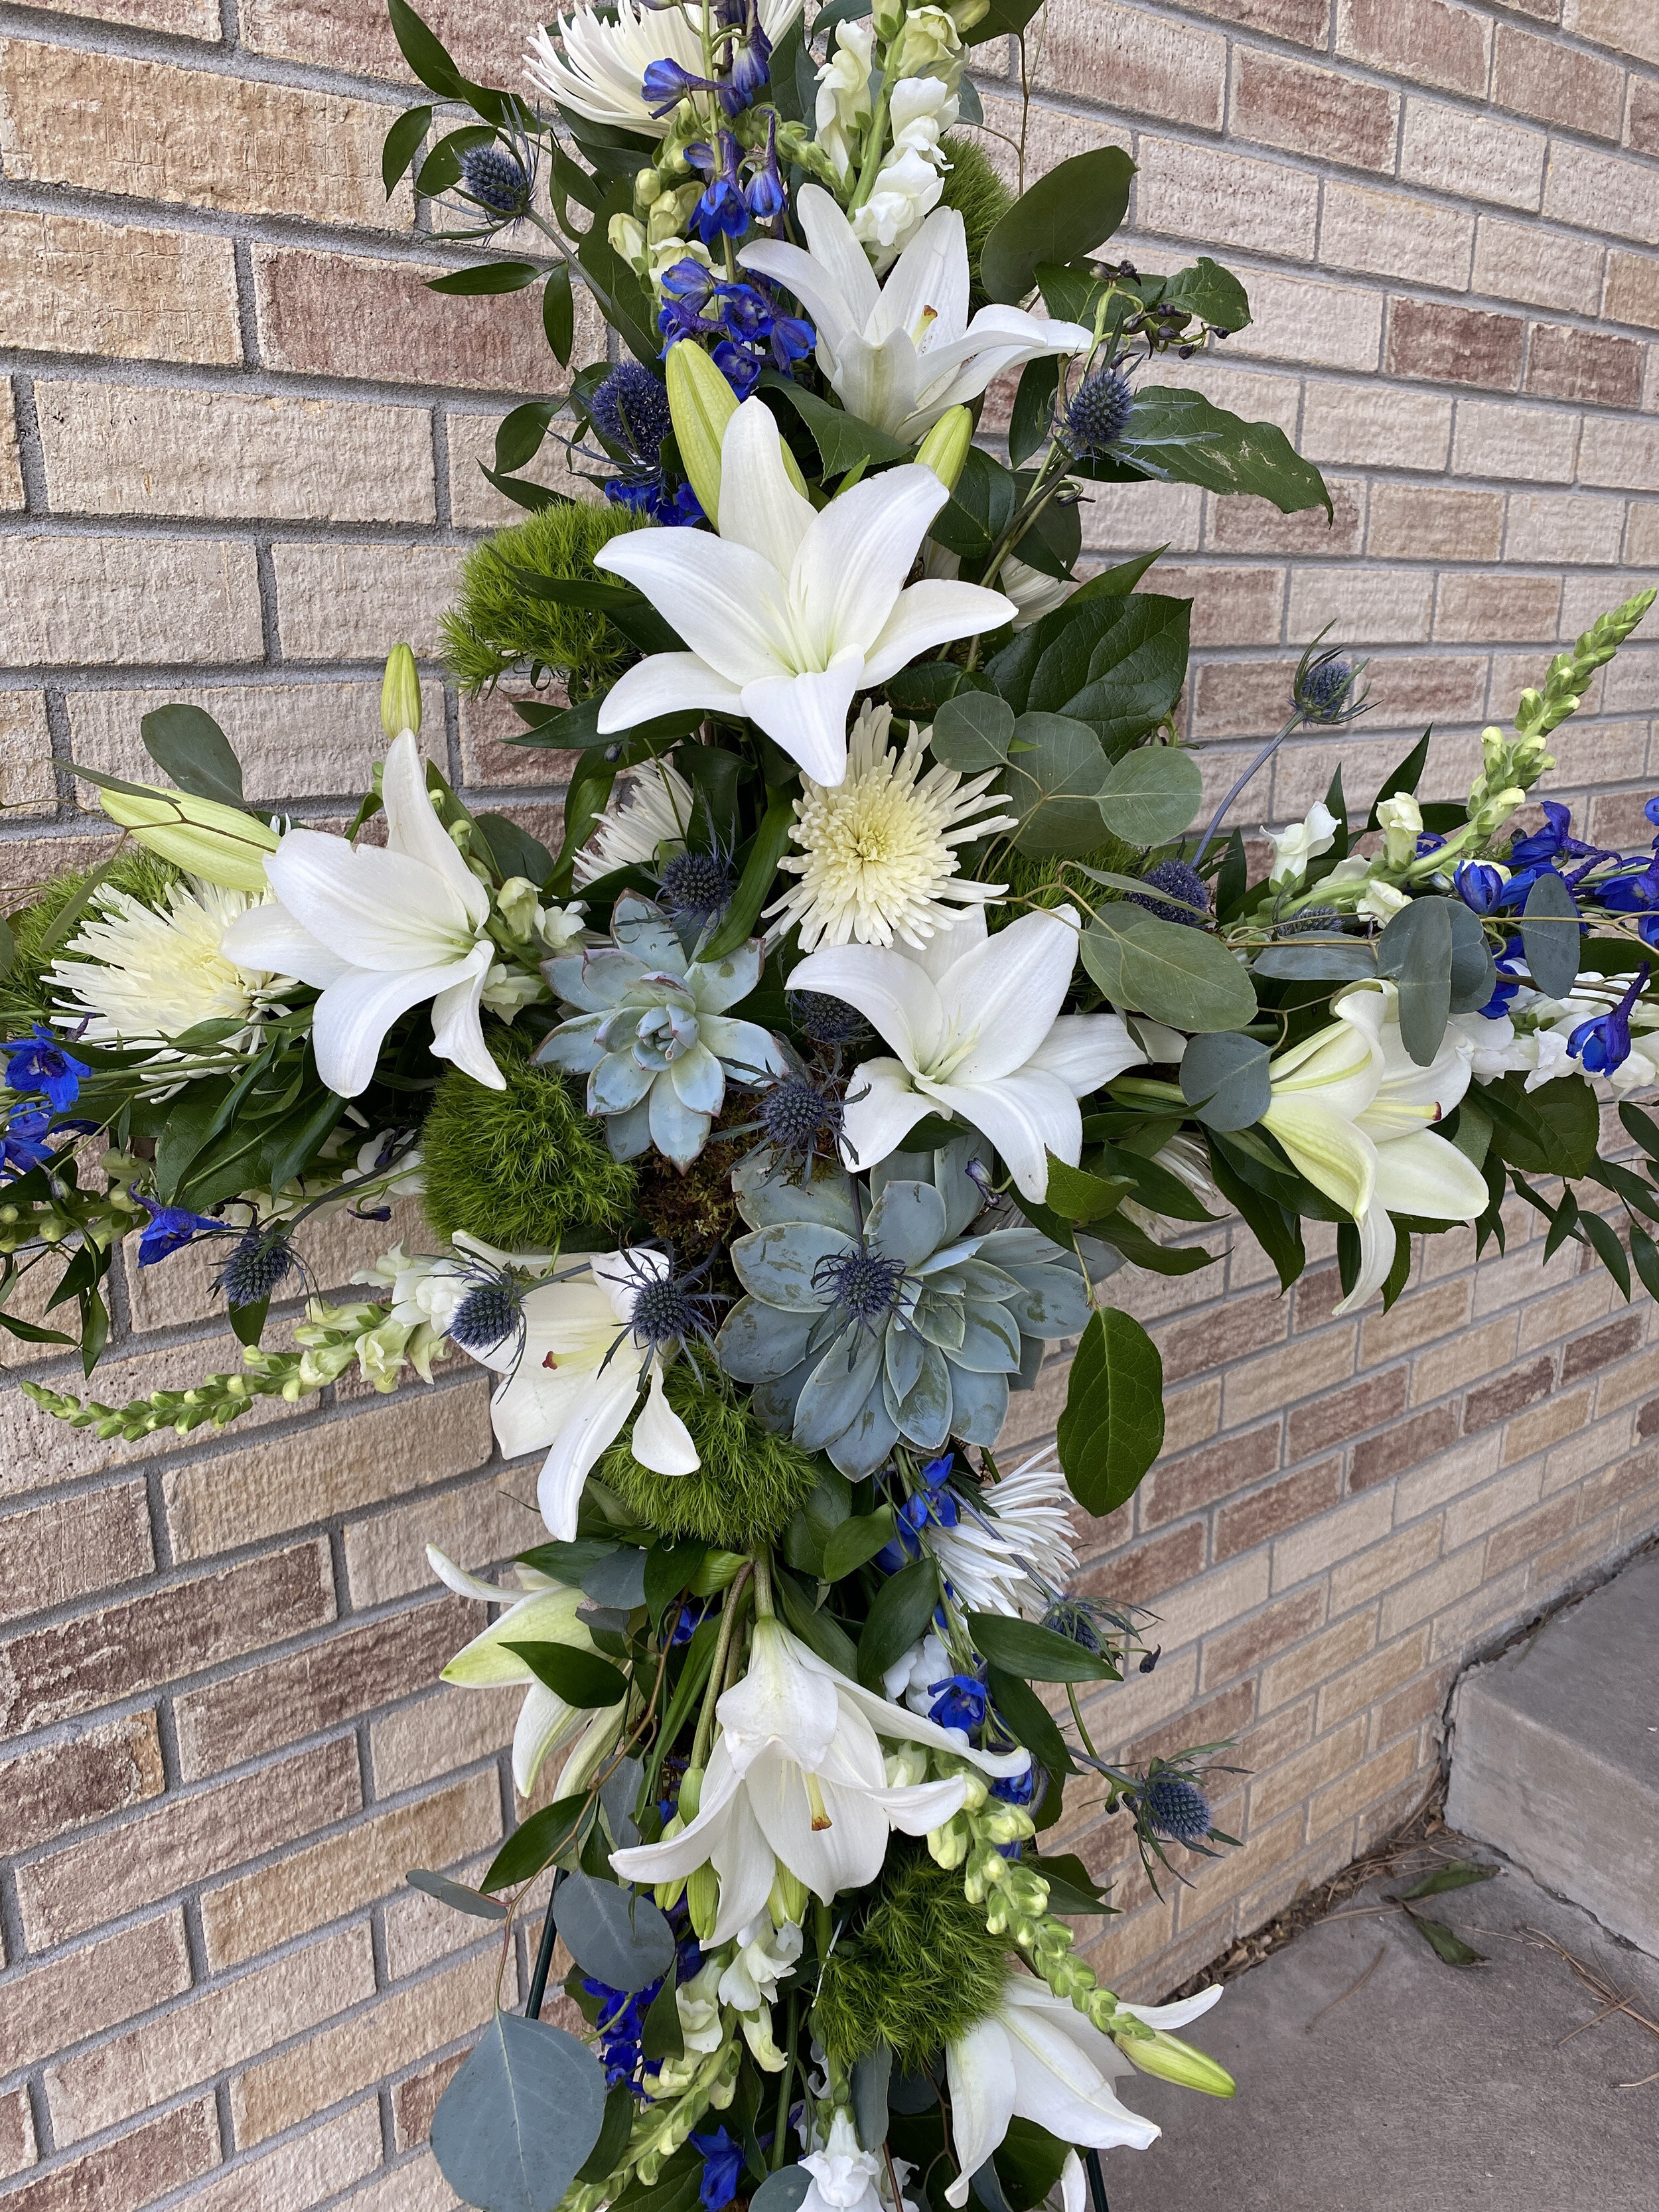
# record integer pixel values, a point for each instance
(1416, 950)
(786, 2191)
(1316, 963)
(1224, 1079)
(1550, 936)
(617, 1581)
(1474, 971)
(521, 2117)
(1051, 781)
(972, 731)
(1180, 977)
(1112, 1428)
(186, 744)
(871, 2075)
(615, 1935)
(1151, 794)
(455, 1894)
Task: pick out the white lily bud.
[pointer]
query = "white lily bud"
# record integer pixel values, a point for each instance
(400, 693)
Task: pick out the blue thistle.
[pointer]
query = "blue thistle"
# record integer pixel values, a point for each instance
(497, 180)
(487, 1315)
(261, 1261)
(630, 408)
(1174, 1807)
(1097, 413)
(1182, 883)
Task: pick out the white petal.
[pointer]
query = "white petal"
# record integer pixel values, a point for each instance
(667, 683)
(845, 1855)
(894, 993)
(1072, 2197)
(382, 909)
(807, 714)
(930, 613)
(1025, 1117)
(981, 2068)
(835, 248)
(270, 938)
(597, 1420)
(930, 280)
(879, 383)
(742, 1859)
(1085, 1050)
(1170, 2017)
(661, 1440)
(1423, 1173)
(457, 1031)
(723, 602)
(854, 560)
(544, 1722)
(1378, 1244)
(414, 828)
(1008, 992)
(903, 1727)
(353, 1016)
(466, 1585)
(882, 1109)
(759, 506)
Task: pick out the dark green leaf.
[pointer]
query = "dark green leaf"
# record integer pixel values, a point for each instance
(533, 497)
(980, 508)
(856, 1540)
(918, 691)
(1007, 20)
(1028, 2163)
(521, 2117)
(1452, 1948)
(759, 873)
(1076, 1195)
(425, 53)
(1224, 1079)
(489, 277)
(1406, 777)
(816, 1629)
(1033, 1654)
(568, 1563)
(615, 1935)
(1212, 294)
(1642, 1126)
(1034, 408)
(1416, 950)
(1458, 1875)
(1151, 794)
(189, 746)
(1642, 1250)
(455, 1894)
(1112, 1429)
(620, 2109)
(1069, 1880)
(1064, 215)
(1180, 977)
(899, 1616)
(1550, 936)
(403, 143)
(559, 314)
(664, 2037)
(519, 436)
(579, 1677)
(576, 729)
(1179, 437)
(513, 850)
(30, 1333)
(1315, 963)
(1029, 1719)
(668, 1568)
(842, 438)
(676, 2189)
(1610, 1252)
(1551, 1131)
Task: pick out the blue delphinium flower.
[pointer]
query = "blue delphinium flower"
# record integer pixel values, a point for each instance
(666, 83)
(723, 210)
(1478, 884)
(39, 1063)
(932, 1503)
(169, 1229)
(722, 2169)
(958, 1703)
(621, 2027)
(23, 1143)
(1018, 1788)
(1634, 891)
(1602, 1044)
(1538, 853)
(1512, 975)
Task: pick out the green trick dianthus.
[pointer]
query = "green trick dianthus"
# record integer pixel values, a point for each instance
(26, 996)
(1049, 882)
(917, 1972)
(499, 624)
(978, 194)
(747, 1486)
(522, 1167)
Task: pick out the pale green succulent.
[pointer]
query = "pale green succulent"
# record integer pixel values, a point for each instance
(880, 1316)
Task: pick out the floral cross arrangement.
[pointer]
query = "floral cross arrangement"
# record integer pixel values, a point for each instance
(888, 991)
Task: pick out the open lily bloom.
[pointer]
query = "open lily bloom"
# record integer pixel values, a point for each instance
(376, 930)
(574, 1378)
(542, 1612)
(798, 1773)
(1035, 2057)
(790, 613)
(900, 354)
(976, 1023)
(596, 66)
(1355, 1113)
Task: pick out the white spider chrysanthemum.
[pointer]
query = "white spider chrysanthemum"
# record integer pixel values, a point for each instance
(877, 860)
(1026, 1530)
(137, 974)
(595, 67)
(654, 810)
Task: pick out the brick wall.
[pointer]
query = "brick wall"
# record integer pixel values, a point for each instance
(238, 461)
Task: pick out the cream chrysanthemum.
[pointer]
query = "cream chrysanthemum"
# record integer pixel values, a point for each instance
(999, 1561)
(596, 65)
(654, 810)
(137, 974)
(877, 861)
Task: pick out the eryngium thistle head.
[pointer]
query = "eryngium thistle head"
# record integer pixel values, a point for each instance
(862, 1286)
(1326, 688)
(1182, 883)
(630, 408)
(497, 180)
(1312, 921)
(697, 886)
(800, 1120)
(1097, 413)
(258, 1263)
(826, 1020)
(487, 1315)
(1174, 1807)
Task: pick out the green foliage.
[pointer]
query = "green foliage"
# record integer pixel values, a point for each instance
(1047, 881)
(979, 197)
(25, 996)
(917, 1973)
(519, 1168)
(500, 624)
(749, 1481)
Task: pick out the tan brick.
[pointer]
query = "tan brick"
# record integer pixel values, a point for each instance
(415, 2186)
(1623, 25)
(1423, 1489)
(1307, 22)
(50, 2006)
(1424, 41)
(485, 38)
(1416, 1319)
(1215, 1880)
(1518, 261)
(1394, 235)
(1185, 190)
(222, 2027)
(1563, 363)
(474, 502)
(1366, 606)
(71, 285)
(100, 122)
(1231, 607)
(1243, 1649)
(1545, 1424)
(122, 600)
(18, 2147)
(27, 783)
(44, 1793)
(1601, 193)
(1404, 1444)
(1144, 514)
(1294, 1372)
(52, 1554)
(1332, 1420)
(310, 1887)
(1257, 394)
(133, 2170)
(1623, 454)
(1428, 1594)
(219, 1504)
(187, 1840)
(1484, 1509)
(1299, 1778)
(127, 449)
(1315, 113)
(1553, 82)
(1243, 523)
(343, 602)
(1234, 1329)
(366, 317)
(1342, 1694)
(328, 1682)
(1326, 326)
(1147, 1572)
(405, 2025)
(50, 1673)
(1503, 607)
(11, 473)
(1371, 425)
(1151, 65)
(1281, 1505)
(1632, 289)
(415, 2101)
(431, 1739)
(1179, 1486)
(1454, 345)
(1493, 1605)
(179, 18)
(1407, 1711)
(1560, 527)
(1356, 1580)
(1365, 1785)
(1317, 1661)
(305, 2170)
(1538, 445)
(1333, 1537)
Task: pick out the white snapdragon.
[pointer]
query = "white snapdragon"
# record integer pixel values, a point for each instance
(1305, 840)
(842, 109)
(1401, 820)
(906, 190)
(765, 1957)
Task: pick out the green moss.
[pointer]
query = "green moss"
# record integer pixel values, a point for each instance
(499, 625)
(973, 187)
(521, 1167)
(25, 995)
(917, 1974)
(749, 1483)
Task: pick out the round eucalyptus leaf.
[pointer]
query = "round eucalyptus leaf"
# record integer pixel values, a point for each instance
(521, 2117)
(1184, 977)
(617, 1935)
(782, 2192)
(1151, 794)
(1224, 1079)
(618, 1581)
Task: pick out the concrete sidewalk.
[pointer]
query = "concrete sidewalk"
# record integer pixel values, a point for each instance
(1432, 2088)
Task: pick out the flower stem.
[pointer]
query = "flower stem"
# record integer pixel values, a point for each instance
(738, 1591)
(1076, 1715)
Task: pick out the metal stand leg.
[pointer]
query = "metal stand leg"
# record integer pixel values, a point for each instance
(532, 2010)
(1096, 2182)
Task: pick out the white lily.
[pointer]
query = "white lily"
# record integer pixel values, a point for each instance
(575, 1377)
(900, 354)
(542, 1611)
(790, 613)
(1035, 2057)
(377, 930)
(596, 66)
(1355, 1113)
(798, 1774)
(977, 1026)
